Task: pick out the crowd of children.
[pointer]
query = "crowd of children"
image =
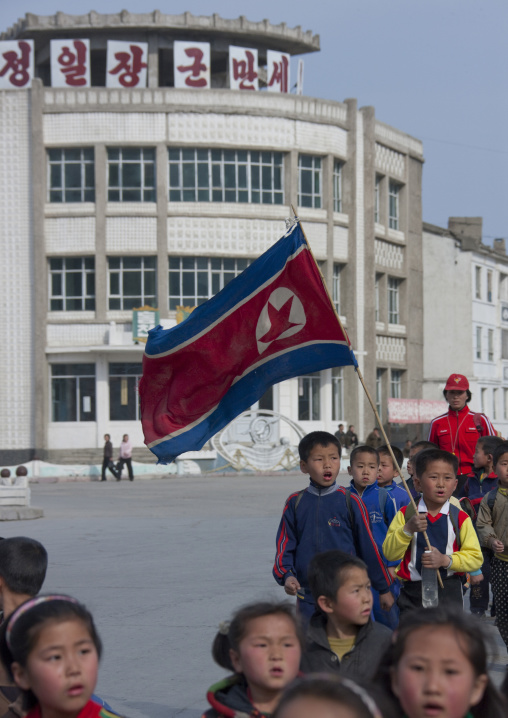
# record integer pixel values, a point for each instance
(353, 556)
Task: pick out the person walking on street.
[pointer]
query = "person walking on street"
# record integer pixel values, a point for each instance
(107, 462)
(125, 458)
(374, 438)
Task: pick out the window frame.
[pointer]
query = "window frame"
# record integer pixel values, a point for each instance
(316, 178)
(337, 394)
(86, 191)
(212, 275)
(337, 185)
(336, 282)
(479, 333)
(394, 190)
(212, 163)
(78, 378)
(396, 383)
(144, 298)
(135, 376)
(393, 295)
(63, 297)
(147, 158)
(310, 384)
(490, 344)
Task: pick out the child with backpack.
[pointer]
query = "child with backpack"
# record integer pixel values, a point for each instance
(381, 507)
(388, 472)
(492, 527)
(318, 518)
(455, 548)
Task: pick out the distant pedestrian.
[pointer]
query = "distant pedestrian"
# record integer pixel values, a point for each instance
(125, 458)
(374, 438)
(351, 438)
(407, 448)
(107, 462)
(341, 435)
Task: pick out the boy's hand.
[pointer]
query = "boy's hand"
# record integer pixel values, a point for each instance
(391, 571)
(386, 601)
(417, 523)
(497, 546)
(475, 580)
(435, 559)
(291, 586)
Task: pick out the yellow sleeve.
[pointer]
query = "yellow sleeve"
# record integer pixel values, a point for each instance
(470, 557)
(396, 541)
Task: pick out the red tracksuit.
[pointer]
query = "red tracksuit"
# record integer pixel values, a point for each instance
(456, 432)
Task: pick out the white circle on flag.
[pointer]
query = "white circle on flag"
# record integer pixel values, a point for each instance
(293, 317)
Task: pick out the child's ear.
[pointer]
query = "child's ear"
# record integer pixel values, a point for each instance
(325, 604)
(349, 470)
(20, 676)
(303, 467)
(236, 661)
(479, 688)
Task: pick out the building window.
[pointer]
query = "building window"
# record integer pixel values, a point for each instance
(489, 286)
(123, 391)
(309, 387)
(337, 186)
(394, 205)
(377, 199)
(478, 282)
(377, 305)
(478, 342)
(494, 404)
(132, 282)
(73, 392)
(483, 400)
(396, 384)
(193, 280)
(504, 343)
(71, 175)
(379, 392)
(393, 300)
(336, 286)
(491, 345)
(131, 174)
(503, 287)
(505, 404)
(71, 284)
(309, 181)
(337, 394)
(226, 176)
(266, 402)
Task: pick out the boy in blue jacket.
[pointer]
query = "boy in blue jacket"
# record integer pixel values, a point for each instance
(388, 473)
(317, 519)
(363, 469)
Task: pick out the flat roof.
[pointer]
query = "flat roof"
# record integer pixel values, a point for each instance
(184, 26)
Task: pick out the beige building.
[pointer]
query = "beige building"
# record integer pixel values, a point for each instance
(115, 198)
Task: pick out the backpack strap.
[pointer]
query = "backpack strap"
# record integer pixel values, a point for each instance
(491, 498)
(383, 497)
(299, 498)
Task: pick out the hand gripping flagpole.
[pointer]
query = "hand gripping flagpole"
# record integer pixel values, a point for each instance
(360, 376)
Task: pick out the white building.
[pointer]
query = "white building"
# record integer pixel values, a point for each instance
(113, 198)
(466, 315)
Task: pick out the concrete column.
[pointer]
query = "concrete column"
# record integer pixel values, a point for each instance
(153, 60)
(162, 231)
(41, 406)
(101, 268)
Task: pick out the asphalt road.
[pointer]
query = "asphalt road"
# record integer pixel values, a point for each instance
(160, 563)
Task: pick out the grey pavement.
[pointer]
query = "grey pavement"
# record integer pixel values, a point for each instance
(160, 563)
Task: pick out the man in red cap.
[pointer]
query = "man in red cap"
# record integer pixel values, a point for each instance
(459, 429)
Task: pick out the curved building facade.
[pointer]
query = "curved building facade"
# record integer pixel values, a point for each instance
(115, 198)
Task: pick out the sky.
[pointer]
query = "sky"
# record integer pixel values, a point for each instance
(436, 69)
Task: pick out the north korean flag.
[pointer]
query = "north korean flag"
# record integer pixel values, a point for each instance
(272, 322)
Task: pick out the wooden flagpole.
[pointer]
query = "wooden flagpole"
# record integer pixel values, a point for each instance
(360, 376)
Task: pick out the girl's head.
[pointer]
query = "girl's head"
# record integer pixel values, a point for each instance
(326, 696)
(52, 650)
(437, 665)
(264, 643)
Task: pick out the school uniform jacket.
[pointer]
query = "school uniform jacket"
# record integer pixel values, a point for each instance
(398, 494)
(91, 710)
(475, 490)
(408, 550)
(319, 523)
(361, 661)
(229, 699)
(456, 432)
(494, 524)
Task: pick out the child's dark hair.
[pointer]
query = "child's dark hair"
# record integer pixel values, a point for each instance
(474, 644)
(317, 438)
(330, 689)
(23, 564)
(230, 635)
(490, 443)
(363, 449)
(423, 444)
(399, 456)
(20, 632)
(327, 572)
(498, 453)
(425, 457)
